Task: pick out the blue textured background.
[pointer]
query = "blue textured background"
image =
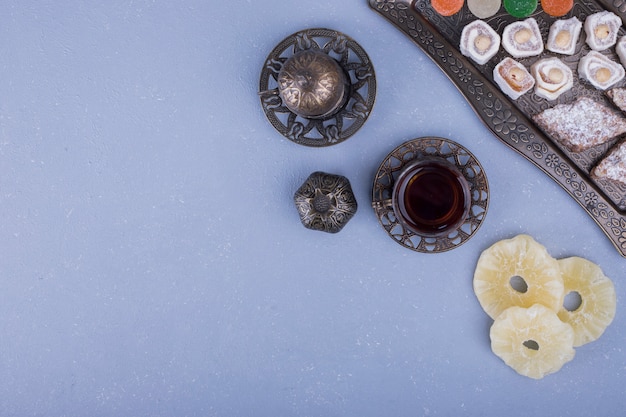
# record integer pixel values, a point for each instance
(152, 262)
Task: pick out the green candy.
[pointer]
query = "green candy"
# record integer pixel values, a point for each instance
(520, 8)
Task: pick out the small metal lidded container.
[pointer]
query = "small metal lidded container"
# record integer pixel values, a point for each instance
(317, 87)
(325, 202)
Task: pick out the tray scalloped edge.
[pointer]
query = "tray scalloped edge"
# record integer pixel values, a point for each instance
(507, 123)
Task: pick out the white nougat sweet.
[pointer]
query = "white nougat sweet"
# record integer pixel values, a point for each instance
(602, 29)
(513, 78)
(479, 41)
(620, 49)
(600, 71)
(552, 78)
(563, 36)
(522, 39)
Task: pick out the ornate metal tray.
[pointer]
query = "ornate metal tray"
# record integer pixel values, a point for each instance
(510, 120)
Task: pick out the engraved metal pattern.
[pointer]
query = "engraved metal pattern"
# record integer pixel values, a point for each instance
(338, 125)
(312, 84)
(509, 120)
(427, 147)
(325, 202)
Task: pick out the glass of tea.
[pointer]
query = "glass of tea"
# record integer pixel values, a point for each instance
(431, 197)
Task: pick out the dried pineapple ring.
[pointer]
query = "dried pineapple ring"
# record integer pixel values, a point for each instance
(523, 259)
(533, 341)
(597, 299)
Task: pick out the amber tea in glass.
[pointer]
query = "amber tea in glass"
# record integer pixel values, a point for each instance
(431, 197)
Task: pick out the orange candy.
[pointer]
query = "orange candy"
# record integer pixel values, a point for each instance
(447, 7)
(557, 8)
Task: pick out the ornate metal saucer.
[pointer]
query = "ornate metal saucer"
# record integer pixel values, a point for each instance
(325, 202)
(317, 87)
(407, 153)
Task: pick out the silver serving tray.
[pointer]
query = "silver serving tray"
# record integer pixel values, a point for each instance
(510, 120)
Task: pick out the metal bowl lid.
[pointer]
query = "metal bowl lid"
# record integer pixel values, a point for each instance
(312, 84)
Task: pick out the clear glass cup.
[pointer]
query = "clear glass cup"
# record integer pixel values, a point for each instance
(431, 197)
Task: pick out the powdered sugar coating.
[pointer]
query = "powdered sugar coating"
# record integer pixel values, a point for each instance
(620, 49)
(601, 29)
(546, 72)
(563, 36)
(513, 78)
(599, 70)
(582, 124)
(471, 33)
(618, 97)
(613, 166)
(530, 44)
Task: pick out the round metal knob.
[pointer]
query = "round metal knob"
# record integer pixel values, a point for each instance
(313, 85)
